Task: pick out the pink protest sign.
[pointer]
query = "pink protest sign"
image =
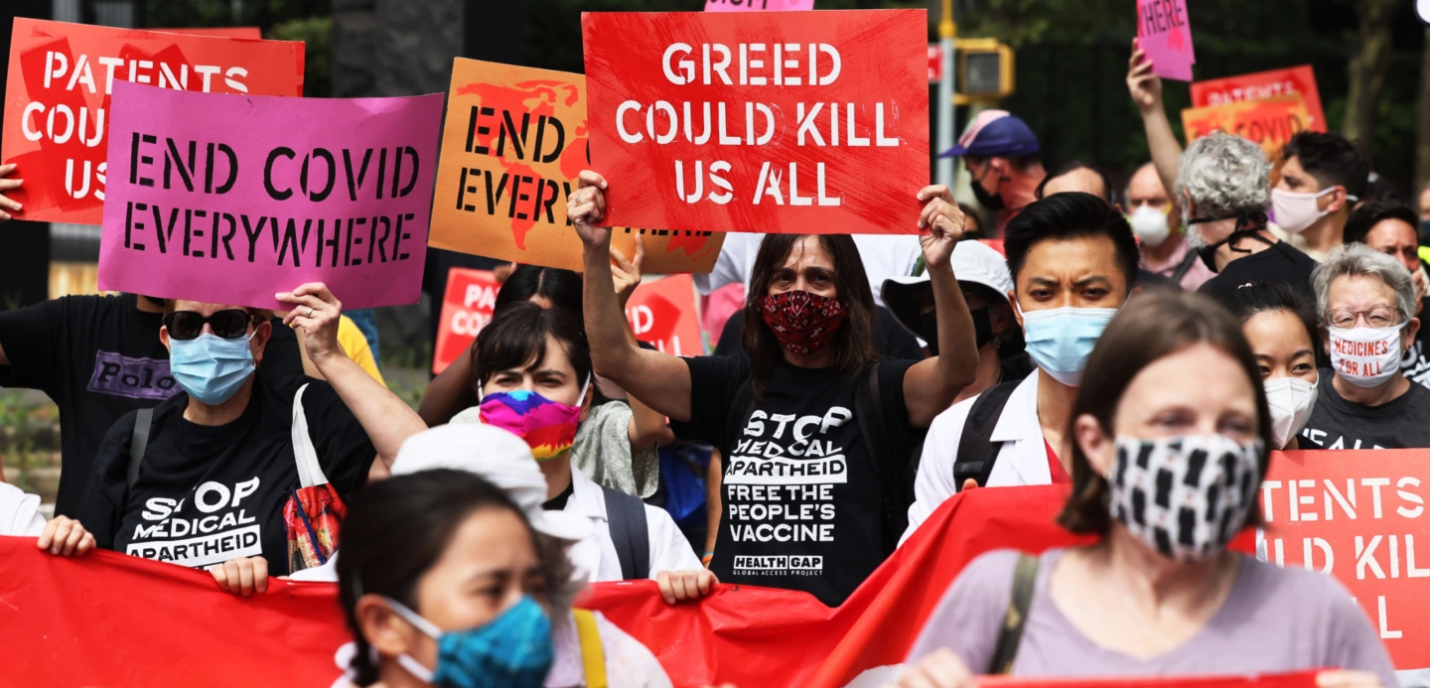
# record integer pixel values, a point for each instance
(1165, 34)
(773, 5)
(232, 198)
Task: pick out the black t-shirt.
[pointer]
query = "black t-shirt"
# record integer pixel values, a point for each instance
(802, 506)
(1415, 364)
(558, 503)
(99, 357)
(1280, 262)
(891, 339)
(206, 495)
(1402, 423)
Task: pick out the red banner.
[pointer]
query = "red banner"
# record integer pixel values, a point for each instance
(58, 90)
(1262, 85)
(466, 309)
(248, 32)
(663, 314)
(760, 121)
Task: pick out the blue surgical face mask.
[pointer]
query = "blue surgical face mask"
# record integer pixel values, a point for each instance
(211, 368)
(513, 650)
(1061, 339)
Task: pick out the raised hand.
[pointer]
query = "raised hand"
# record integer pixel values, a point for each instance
(317, 311)
(587, 206)
(7, 205)
(1144, 85)
(944, 222)
(627, 273)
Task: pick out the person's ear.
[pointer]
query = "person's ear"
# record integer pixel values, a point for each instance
(261, 333)
(1013, 303)
(1407, 335)
(1000, 315)
(1118, 208)
(1000, 166)
(1094, 443)
(384, 629)
(586, 402)
(164, 338)
(1325, 338)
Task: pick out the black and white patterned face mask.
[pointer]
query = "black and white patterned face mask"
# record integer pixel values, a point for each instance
(1186, 497)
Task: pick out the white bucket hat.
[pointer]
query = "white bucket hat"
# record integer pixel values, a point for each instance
(973, 261)
(500, 457)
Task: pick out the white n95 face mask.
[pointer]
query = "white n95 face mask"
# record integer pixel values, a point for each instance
(1290, 400)
(1150, 225)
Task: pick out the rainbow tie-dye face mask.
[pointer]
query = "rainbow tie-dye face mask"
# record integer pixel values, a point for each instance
(549, 427)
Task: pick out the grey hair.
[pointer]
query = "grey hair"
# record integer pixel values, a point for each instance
(1353, 260)
(1224, 174)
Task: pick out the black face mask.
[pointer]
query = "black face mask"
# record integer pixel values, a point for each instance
(1248, 226)
(982, 329)
(987, 199)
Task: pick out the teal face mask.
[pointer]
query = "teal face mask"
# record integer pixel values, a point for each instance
(211, 368)
(513, 650)
(1060, 339)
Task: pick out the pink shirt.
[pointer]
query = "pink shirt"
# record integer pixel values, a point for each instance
(1194, 277)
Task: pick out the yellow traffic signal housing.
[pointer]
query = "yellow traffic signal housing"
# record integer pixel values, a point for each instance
(985, 70)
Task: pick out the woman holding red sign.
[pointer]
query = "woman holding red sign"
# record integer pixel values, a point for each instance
(816, 431)
(1165, 474)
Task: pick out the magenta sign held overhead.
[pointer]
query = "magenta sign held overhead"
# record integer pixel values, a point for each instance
(1165, 34)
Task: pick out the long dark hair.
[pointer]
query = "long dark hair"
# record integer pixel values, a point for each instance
(854, 342)
(1151, 327)
(563, 288)
(517, 337)
(397, 529)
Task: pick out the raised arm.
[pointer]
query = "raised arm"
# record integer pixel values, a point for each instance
(386, 419)
(660, 380)
(931, 385)
(1146, 89)
(646, 423)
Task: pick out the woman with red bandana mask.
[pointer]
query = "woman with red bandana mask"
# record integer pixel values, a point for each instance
(816, 431)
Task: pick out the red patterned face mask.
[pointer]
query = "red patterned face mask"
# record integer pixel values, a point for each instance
(803, 322)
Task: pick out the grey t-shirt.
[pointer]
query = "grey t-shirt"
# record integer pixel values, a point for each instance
(1274, 620)
(1403, 423)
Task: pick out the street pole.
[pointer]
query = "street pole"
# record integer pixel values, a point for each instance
(946, 32)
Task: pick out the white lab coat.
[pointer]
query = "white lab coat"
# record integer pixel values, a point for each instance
(1022, 458)
(595, 557)
(20, 512)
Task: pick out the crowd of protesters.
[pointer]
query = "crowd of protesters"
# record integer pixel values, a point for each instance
(1106, 337)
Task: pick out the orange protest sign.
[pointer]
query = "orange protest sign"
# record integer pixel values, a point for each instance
(514, 142)
(1263, 85)
(1359, 516)
(1270, 122)
(466, 309)
(663, 313)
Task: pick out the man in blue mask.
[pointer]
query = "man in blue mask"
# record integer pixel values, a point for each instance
(243, 474)
(1074, 264)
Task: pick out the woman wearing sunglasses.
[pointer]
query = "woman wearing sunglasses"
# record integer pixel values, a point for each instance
(240, 474)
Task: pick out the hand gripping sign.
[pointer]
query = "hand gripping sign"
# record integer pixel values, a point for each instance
(57, 100)
(515, 140)
(231, 199)
(792, 122)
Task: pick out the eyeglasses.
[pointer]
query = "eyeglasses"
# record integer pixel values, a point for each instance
(1377, 318)
(228, 324)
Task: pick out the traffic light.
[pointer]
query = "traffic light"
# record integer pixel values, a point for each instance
(985, 71)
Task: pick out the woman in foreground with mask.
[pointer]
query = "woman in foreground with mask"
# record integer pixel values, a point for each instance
(816, 432)
(444, 582)
(1282, 333)
(1159, 594)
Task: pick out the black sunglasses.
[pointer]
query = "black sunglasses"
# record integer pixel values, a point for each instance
(228, 324)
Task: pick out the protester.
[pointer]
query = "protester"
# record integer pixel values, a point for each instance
(533, 369)
(973, 223)
(811, 387)
(1390, 227)
(1321, 179)
(1074, 264)
(1223, 185)
(1156, 222)
(983, 277)
(243, 473)
(884, 256)
(1366, 303)
(20, 517)
(1076, 176)
(616, 444)
(1001, 154)
(1158, 594)
(1281, 331)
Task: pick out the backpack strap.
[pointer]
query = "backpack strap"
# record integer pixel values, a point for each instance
(977, 451)
(629, 532)
(874, 427)
(1185, 267)
(138, 443)
(1024, 578)
(593, 655)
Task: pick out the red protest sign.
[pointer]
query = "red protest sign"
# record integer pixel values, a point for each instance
(1359, 516)
(58, 95)
(249, 32)
(1262, 85)
(663, 314)
(760, 122)
(466, 308)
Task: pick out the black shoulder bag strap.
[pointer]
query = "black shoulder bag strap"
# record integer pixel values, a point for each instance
(1024, 578)
(874, 427)
(976, 449)
(138, 443)
(1185, 267)
(625, 515)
